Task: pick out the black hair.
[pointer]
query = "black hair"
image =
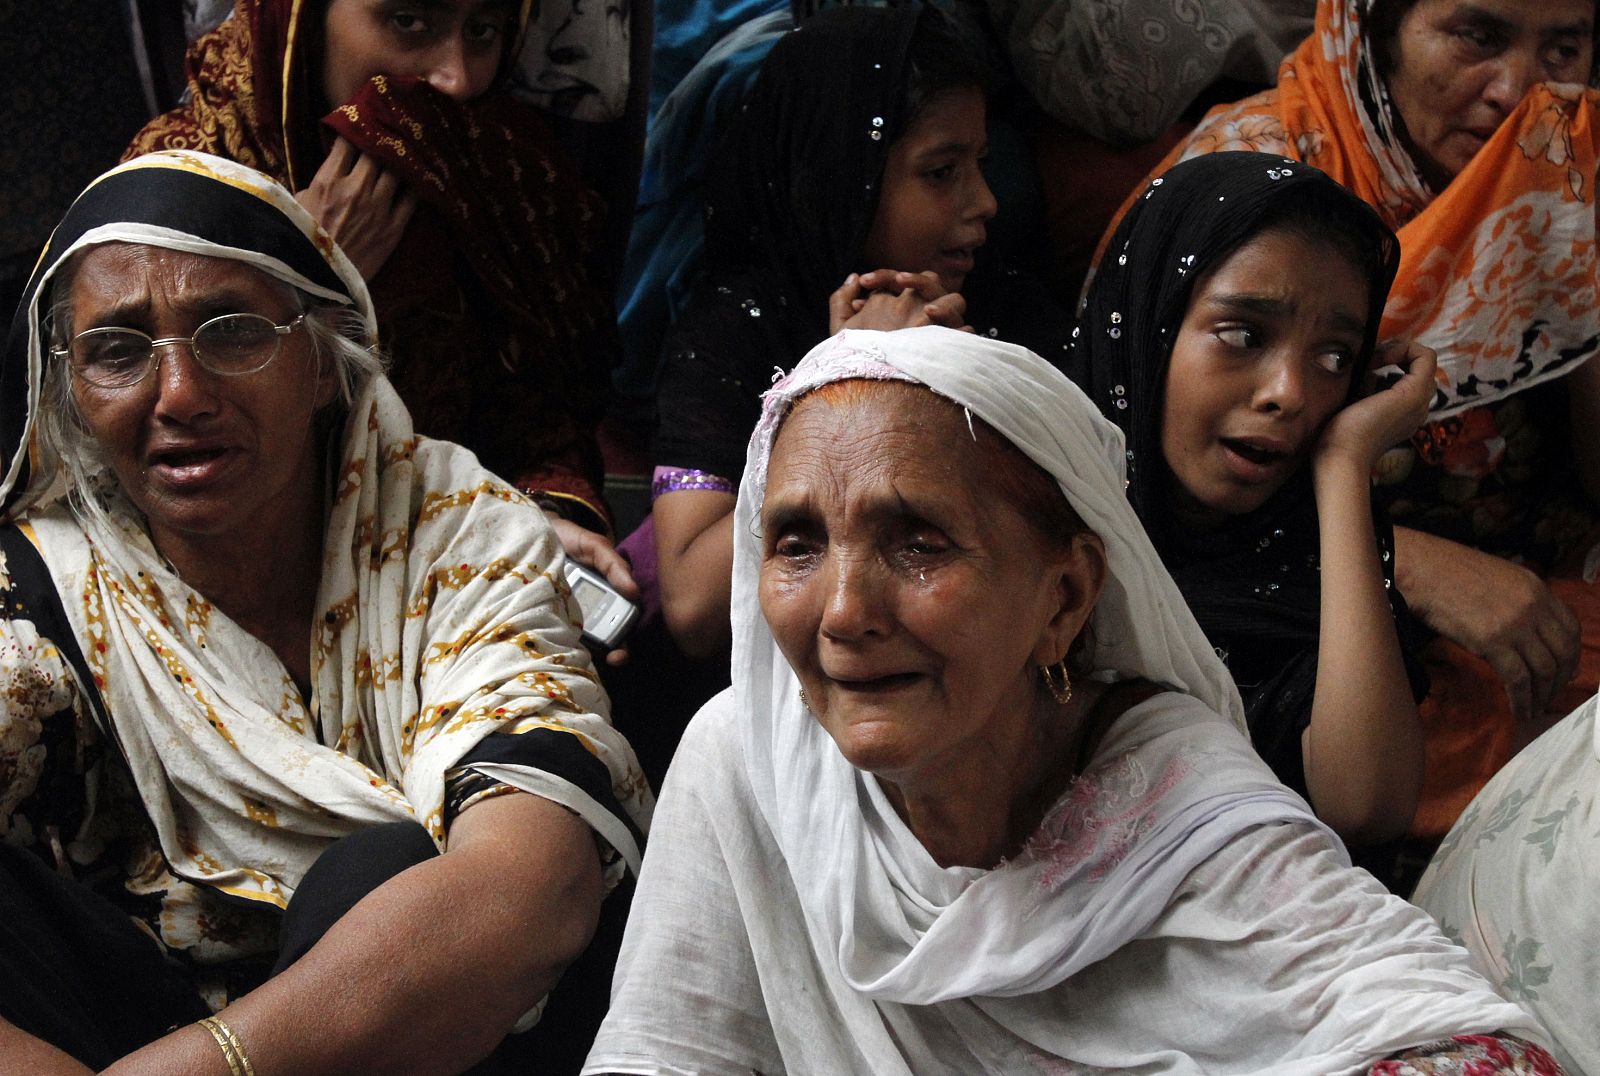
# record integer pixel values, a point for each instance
(946, 53)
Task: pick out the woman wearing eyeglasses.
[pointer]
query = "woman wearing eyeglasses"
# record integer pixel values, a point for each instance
(288, 686)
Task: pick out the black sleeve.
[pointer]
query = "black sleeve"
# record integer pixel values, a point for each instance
(559, 753)
(707, 404)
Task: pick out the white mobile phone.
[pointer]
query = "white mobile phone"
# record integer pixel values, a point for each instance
(607, 615)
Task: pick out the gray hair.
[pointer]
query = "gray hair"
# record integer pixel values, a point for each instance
(337, 332)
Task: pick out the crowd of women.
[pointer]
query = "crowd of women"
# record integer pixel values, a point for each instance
(1076, 647)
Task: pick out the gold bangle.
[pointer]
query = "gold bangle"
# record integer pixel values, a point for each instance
(232, 1049)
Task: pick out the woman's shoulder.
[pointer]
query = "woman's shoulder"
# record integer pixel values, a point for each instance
(1175, 721)
(713, 737)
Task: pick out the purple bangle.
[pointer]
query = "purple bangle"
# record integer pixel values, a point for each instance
(674, 479)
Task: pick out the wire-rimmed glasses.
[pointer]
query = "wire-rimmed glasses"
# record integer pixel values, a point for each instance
(230, 345)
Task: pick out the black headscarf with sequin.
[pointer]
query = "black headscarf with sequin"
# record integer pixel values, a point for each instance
(1254, 582)
(790, 199)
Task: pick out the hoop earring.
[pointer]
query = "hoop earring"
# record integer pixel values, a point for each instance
(1062, 694)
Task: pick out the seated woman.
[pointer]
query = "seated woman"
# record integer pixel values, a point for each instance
(979, 798)
(1514, 883)
(1228, 335)
(456, 204)
(860, 148)
(294, 690)
(1465, 126)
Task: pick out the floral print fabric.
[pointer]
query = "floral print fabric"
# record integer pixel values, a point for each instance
(1472, 1055)
(1514, 883)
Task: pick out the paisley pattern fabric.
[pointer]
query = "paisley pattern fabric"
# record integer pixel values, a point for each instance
(1124, 70)
(577, 59)
(1472, 1055)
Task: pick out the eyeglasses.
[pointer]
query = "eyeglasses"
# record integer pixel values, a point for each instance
(230, 345)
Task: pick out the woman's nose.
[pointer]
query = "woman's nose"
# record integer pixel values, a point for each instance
(1281, 387)
(184, 388)
(854, 607)
(982, 205)
(1515, 71)
(450, 73)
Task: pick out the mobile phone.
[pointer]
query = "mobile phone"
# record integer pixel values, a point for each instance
(607, 615)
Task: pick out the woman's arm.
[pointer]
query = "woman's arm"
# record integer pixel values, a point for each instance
(21, 1052)
(694, 560)
(1498, 610)
(428, 972)
(1363, 747)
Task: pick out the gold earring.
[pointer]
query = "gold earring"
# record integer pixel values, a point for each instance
(1062, 694)
(803, 700)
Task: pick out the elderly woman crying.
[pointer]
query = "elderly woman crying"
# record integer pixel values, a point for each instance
(979, 798)
(291, 687)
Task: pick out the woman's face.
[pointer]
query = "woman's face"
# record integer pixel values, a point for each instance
(455, 45)
(1263, 359)
(202, 455)
(912, 600)
(1459, 67)
(935, 203)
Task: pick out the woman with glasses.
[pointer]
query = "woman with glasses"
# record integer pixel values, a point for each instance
(299, 752)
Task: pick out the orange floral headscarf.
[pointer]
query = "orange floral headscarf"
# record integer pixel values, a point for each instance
(1497, 273)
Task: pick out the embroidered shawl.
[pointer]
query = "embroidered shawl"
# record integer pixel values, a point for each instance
(1254, 583)
(441, 614)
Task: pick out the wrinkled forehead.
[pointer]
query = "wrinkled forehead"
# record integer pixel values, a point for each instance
(110, 282)
(861, 433)
(861, 409)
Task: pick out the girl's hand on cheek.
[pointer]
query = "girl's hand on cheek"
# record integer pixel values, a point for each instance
(1375, 423)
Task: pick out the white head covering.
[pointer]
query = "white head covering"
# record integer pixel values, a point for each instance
(907, 930)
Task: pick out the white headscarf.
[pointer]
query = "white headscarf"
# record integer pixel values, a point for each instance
(909, 931)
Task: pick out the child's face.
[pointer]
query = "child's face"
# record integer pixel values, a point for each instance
(1263, 359)
(935, 202)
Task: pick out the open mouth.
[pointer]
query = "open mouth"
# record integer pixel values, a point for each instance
(1259, 455)
(960, 258)
(182, 458)
(878, 684)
